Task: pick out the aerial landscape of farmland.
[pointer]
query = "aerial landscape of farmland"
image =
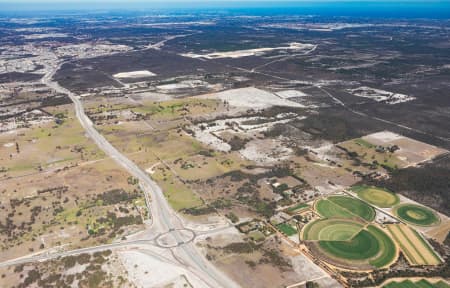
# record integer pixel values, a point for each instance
(216, 144)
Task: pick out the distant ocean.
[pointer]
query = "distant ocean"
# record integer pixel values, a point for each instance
(380, 9)
(384, 9)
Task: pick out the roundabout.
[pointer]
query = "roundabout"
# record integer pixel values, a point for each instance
(175, 238)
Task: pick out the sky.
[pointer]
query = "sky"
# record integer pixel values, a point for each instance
(386, 8)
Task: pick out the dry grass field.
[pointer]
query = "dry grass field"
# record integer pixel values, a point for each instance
(86, 205)
(46, 146)
(415, 248)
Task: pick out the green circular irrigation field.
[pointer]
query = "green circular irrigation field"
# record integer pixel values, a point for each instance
(376, 196)
(344, 207)
(417, 215)
(349, 243)
(331, 230)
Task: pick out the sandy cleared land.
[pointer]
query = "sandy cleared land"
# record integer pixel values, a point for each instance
(134, 74)
(290, 94)
(379, 95)
(415, 248)
(185, 84)
(321, 27)
(45, 35)
(251, 97)
(88, 50)
(214, 134)
(411, 151)
(146, 271)
(440, 232)
(265, 151)
(294, 46)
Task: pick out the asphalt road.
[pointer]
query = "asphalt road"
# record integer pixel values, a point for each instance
(164, 219)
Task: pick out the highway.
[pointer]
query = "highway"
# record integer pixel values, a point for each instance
(54, 255)
(164, 219)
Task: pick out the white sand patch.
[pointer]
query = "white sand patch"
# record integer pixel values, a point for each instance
(134, 74)
(251, 97)
(46, 35)
(290, 94)
(186, 84)
(328, 189)
(208, 138)
(322, 27)
(383, 137)
(146, 271)
(7, 145)
(380, 95)
(265, 151)
(303, 266)
(294, 238)
(162, 24)
(151, 96)
(151, 170)
(209, 133)
(294, 46)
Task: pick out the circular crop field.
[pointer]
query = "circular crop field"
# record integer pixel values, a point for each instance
(377, 196)
(331, 230)
(344, 207)
(362, 246)
(417, 215)
(369, 248)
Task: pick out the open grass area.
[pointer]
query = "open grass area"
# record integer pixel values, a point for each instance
(366, 152)
(377, 196)
(47, 145)
(344, 207)
(200, 167)
(177, 108)
(287, 229)
(178, 194)
(416, 215)
(364, 143)
(89, 204)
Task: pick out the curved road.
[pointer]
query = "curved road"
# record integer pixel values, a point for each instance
(163, 217)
